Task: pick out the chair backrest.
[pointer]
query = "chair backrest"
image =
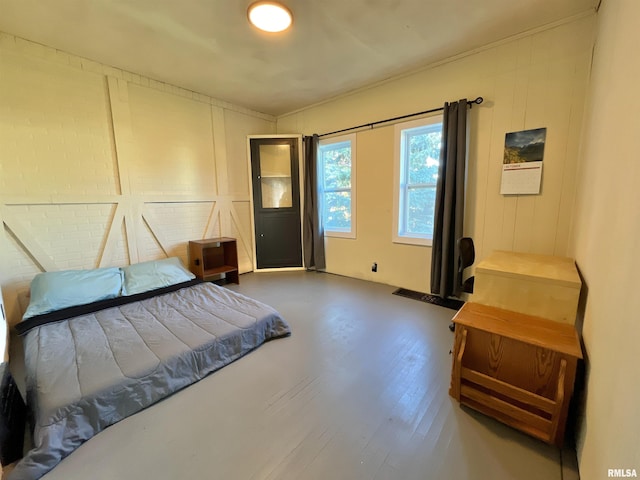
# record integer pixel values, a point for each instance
(467, 253)
(466, 257)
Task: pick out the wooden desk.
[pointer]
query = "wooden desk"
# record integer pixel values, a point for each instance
(540, 285)
(516, 368)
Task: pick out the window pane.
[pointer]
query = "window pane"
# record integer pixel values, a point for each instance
(275, 160)
(336, 160)
(337, 210)
(423, 153)
(275, 176)
(419, 211)
(276, 192)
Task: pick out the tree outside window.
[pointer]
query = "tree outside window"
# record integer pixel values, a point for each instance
(419, 144)
(336, 158)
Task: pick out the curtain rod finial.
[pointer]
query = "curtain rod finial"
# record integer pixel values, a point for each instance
(477, 101)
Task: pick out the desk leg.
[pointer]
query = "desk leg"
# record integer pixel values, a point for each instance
(559, 416)
(458, 352)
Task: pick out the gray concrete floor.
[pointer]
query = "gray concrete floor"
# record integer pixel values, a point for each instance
(359, 391)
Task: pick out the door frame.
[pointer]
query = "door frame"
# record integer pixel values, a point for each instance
(301, 173)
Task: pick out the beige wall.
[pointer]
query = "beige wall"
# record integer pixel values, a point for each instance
(606, 242)
(534, 80)
(103, 167)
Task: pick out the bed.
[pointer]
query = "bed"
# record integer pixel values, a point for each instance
(149, 330)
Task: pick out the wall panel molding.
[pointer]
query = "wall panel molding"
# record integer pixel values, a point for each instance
(31, 246)
(129, 170)
(22, 46)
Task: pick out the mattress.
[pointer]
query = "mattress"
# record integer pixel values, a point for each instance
(92, 370)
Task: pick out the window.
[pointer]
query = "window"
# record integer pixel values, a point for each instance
(337, 167)
(418, 146)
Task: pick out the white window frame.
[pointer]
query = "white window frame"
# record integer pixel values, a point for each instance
(351, 138)
(399, 186)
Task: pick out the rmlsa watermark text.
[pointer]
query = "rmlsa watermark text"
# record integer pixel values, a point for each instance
(622, 473)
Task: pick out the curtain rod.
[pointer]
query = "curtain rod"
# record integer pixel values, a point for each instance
(477, 101)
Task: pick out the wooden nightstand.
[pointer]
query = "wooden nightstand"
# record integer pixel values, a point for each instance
(516, 368)
(213, 258)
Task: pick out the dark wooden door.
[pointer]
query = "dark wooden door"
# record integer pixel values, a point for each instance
(276, 202)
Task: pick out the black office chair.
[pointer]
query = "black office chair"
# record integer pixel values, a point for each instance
(466, 257)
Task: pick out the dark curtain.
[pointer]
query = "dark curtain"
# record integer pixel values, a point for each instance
(312, 229)
(449, 208)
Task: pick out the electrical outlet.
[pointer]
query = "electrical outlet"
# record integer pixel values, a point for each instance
(374, 267)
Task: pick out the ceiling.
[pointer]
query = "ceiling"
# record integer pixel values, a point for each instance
(335, 46)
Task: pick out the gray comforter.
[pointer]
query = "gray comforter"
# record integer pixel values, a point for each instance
(93, 370)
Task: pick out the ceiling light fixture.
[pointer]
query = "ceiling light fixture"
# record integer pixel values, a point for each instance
(270, 16)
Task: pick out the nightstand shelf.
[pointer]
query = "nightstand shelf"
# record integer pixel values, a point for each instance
(214, 258)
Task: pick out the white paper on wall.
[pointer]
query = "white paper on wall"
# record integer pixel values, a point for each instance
(521, 178)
